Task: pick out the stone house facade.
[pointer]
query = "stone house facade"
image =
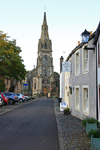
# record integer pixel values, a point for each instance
(80, 83)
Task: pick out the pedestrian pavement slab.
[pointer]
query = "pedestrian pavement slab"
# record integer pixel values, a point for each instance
(72, 135)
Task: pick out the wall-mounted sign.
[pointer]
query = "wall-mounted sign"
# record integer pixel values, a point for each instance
(66, 66)
(26, 84)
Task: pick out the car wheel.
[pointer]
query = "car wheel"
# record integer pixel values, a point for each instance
(21, 100)
(3, 103)
(11, 101)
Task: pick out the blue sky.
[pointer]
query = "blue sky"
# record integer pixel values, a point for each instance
(66, 19)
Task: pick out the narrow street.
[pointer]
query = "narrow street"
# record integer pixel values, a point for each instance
(30, 127)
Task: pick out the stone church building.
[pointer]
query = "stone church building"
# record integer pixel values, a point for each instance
(42, 80)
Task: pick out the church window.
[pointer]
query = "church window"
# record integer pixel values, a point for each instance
(45, 46)
(45, 30)
(34, 86)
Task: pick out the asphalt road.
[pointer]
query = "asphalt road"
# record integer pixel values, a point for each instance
(30, 127)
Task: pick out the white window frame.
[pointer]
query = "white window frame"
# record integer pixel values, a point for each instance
(85, 61)
(77, 98)
(85, 100)
(77, 63)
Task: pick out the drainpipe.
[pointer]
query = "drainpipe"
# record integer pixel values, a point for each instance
(96, 84)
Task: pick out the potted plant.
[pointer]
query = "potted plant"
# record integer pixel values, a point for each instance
(90, 124)
(95, 139)
(67, 111)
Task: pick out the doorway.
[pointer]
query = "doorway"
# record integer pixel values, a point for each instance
(45, 91)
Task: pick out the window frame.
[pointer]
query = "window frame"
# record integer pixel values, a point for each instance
(86, 112)
(77, 69)
(77, 102)
(84, 68)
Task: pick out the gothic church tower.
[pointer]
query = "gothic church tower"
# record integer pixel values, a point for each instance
(44, 60)
(42, 80)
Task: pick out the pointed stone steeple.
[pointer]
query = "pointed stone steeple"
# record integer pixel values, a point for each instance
(44, 33)
(44, 21)
(44, 41)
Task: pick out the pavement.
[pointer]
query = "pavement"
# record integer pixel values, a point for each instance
(72, 135)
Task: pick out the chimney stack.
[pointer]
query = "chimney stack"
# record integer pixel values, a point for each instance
(61, 60)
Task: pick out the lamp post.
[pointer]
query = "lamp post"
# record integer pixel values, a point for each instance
(85, 38)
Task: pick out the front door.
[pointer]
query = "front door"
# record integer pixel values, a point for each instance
(45, 91)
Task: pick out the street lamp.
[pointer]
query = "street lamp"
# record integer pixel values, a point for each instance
(85, 38)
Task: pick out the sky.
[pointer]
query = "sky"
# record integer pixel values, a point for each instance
(66, 19)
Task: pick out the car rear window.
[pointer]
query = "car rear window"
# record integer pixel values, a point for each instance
(7, 94)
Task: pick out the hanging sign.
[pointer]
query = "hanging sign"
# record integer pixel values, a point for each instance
(66, 66)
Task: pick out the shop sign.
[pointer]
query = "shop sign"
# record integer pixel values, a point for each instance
(66, 66)
(63, 105)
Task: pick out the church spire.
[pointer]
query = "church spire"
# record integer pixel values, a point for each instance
(44, 21)
(44, 33)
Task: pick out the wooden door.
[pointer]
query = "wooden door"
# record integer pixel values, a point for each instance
(45, 91)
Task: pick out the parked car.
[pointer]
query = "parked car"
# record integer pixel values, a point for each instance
(27, 98)
(1, 100)
(5, 99)
(21, 97)
(12, 97)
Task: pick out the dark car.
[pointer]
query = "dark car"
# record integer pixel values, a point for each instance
(12, 97)
(5, 99)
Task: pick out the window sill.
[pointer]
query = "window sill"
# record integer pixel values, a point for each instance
(77, 74)
(86, 113)
(85, 72)
(76, 108)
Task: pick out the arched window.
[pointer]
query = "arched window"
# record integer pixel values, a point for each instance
(34, 86)
(45, 46)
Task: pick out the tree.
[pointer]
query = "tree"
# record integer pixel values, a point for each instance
(11, 63)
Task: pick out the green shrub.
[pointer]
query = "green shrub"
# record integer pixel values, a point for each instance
(94, 133)
(89, 120)
(84, 123)
(67, 109)
(98, 123)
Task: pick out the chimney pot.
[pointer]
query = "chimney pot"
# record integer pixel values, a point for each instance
(90, 33)
(78, 42)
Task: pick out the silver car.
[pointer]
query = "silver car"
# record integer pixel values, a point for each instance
(21, 97)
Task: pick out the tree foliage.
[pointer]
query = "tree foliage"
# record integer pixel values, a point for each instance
(11, 63)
